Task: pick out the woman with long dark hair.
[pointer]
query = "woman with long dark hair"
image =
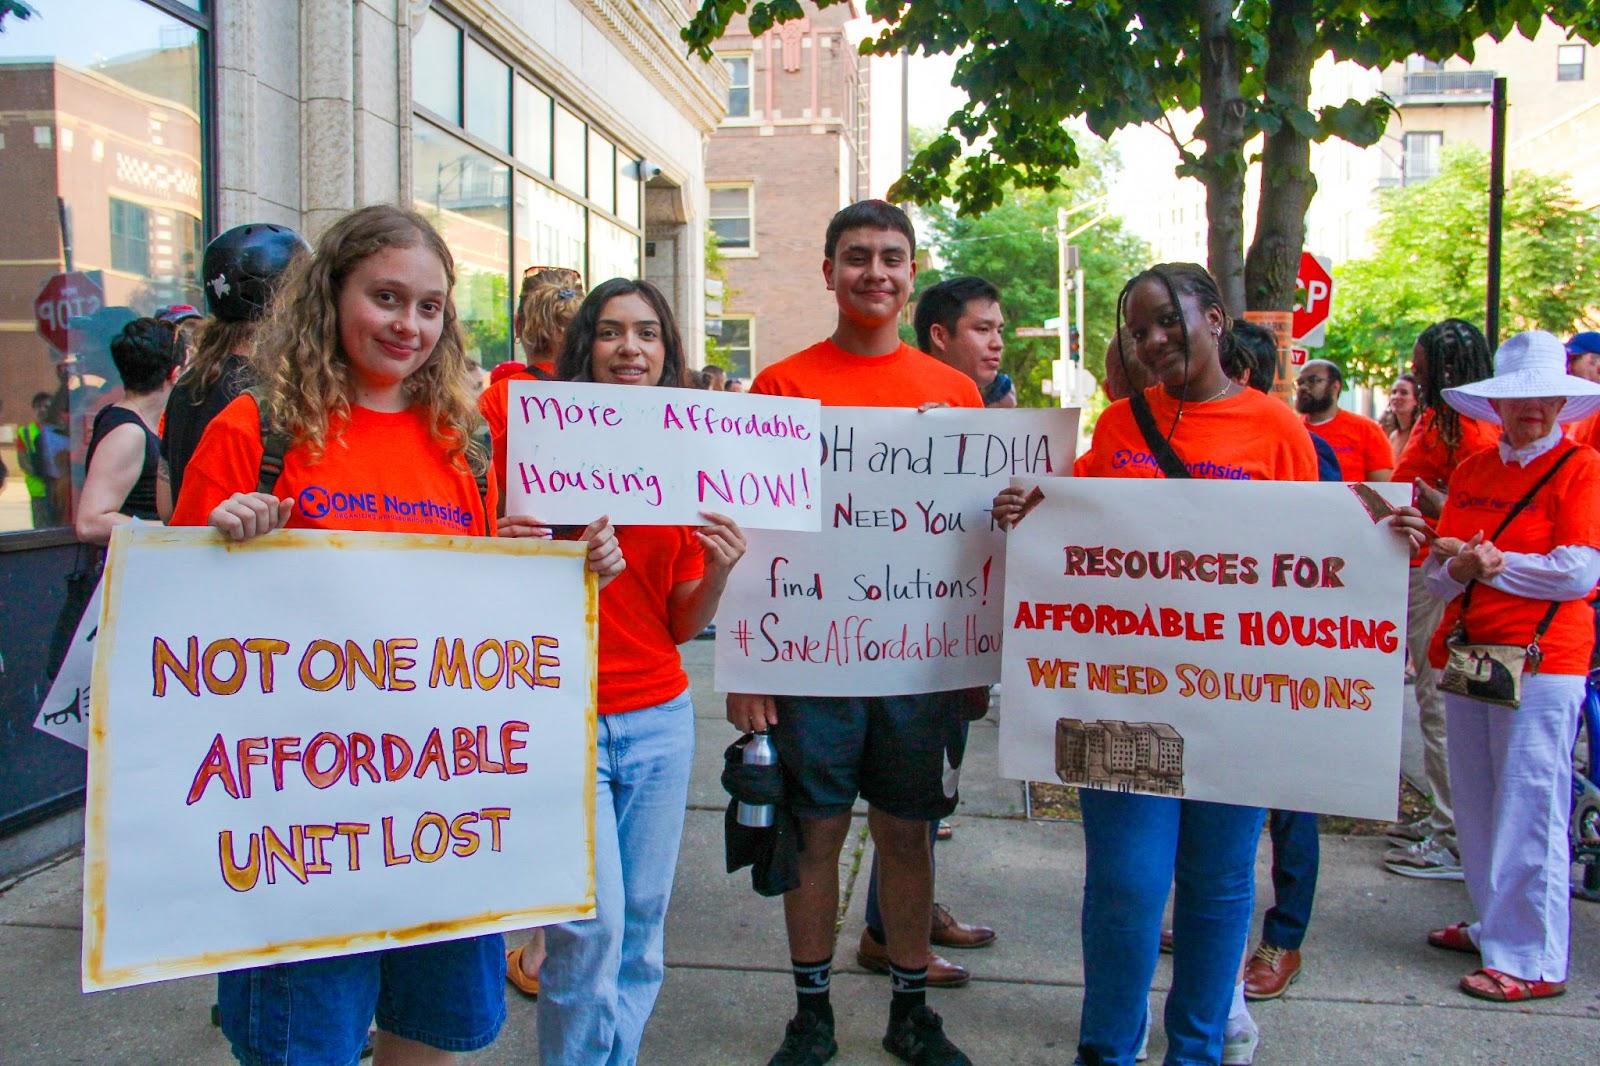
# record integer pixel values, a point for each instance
(1448, 354)
(1204, 425)
(600, 978)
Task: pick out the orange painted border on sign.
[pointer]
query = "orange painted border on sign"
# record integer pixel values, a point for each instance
(95, 976)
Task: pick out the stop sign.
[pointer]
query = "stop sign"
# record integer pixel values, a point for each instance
(63, 298)
(1315, 284)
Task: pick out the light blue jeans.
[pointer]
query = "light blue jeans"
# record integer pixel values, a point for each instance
(1136, 847)
(599, 982)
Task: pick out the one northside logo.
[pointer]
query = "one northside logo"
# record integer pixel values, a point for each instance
(316, 502)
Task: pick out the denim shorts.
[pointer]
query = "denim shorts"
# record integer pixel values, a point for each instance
(902, 754)
(449, 995)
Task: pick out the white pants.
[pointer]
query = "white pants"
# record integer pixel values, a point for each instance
(1513, 796)
(1423, 612)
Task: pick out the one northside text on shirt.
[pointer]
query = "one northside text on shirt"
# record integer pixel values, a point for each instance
(239, 767)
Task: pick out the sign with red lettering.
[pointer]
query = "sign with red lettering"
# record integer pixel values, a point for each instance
(1314, 282)
(327, 754)
(660, 457)
(63, 298)
(1234, 641)
(900, 591)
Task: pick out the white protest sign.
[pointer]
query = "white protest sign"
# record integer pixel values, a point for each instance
(901, 590)
(65, 713)
(1235, 641)
(352, 741)
(654, 457)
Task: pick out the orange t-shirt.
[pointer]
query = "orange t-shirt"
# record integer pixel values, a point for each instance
(1585, 430)
(1425, 455)
(1246, 437)
(1360, 444)
(379, 472)
(639, 662)
(1566, 511)
(903, 378)
(1082, 464)
(494, 405)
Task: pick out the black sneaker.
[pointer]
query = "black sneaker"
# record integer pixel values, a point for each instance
(920, 1040)
(808, 1041)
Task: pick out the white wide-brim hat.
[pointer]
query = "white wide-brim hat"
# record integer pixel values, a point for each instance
(1527, 366)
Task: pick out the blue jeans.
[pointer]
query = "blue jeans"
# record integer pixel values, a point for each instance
(599, 982)
(1296, 853)
(874, 914)
(1136, 846)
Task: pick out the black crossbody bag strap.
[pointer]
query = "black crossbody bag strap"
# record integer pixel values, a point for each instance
(1161, 449)
(1516, 509)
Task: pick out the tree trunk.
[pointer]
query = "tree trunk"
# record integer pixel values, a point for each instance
(1222, 129)
(1287, 183)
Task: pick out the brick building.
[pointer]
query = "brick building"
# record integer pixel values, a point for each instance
(791, 152)
(1122, 756)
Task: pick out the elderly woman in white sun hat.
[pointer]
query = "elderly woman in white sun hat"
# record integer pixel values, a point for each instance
(1517, 551)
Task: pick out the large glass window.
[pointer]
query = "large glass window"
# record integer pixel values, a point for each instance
(467, 194)
(515, 177)
(738, 85)
(533, 126)
(731, 209)
(613, 251)
(1422, 155)
(436, 67)
(550, 228)
(1569, 62)
(488, 97)
(101, 109)
(736, 333)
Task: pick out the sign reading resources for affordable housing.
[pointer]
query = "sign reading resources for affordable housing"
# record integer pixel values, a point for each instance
(327, 753)
(1242, 642)
(901, 591)
(654, 457)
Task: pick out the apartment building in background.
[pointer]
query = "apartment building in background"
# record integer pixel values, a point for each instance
(792, 150)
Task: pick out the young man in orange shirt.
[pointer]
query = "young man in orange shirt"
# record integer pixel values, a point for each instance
(1359, 442)
(824, 743)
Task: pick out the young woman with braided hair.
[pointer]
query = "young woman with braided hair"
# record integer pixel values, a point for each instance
(1214, 428)
(1448, 354)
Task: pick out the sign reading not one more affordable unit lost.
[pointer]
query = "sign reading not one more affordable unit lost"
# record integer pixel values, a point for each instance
(1242, 642)
(323, 755)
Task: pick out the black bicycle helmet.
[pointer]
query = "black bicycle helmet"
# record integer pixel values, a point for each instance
(241, 266)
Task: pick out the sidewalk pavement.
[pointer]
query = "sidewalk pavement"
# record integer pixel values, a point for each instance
(1372, 991)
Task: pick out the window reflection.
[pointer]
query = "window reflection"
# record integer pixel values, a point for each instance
(102, 148)
(467, 195)
(613, 251)
(550, 230)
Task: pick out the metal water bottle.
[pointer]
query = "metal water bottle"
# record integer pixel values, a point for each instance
(759, 752)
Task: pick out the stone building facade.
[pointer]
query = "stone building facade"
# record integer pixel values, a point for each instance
(1120, 756)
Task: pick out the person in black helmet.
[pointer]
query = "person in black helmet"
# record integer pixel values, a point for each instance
(239, 271)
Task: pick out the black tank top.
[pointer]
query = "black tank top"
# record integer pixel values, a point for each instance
(141, 501)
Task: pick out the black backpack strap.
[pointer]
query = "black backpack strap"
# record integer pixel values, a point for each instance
(540, 374)
(275, 444)
(1161, 449)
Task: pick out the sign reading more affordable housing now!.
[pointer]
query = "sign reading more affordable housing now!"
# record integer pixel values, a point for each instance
(654, 456)
(323, 755)
(900, 592)
(1242, 642)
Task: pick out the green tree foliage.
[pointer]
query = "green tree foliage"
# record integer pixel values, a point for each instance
(1029, 65)
(483, 299)
(1430, 261)
(1014, 246)
(717, 354)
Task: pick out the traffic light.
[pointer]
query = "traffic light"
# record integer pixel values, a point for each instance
(1074, 345)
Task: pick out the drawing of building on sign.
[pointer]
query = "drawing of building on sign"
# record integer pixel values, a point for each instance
(1123, 756)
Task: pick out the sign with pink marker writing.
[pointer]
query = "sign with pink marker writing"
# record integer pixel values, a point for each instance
(901, 589)
(659, 457)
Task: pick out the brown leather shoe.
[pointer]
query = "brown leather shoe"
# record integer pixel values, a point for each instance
(949, 933)
(1270, 971)
(942, 973)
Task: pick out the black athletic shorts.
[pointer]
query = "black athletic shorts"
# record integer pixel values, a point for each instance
(902, 754)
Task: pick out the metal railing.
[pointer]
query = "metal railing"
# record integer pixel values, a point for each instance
(1449, 83)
